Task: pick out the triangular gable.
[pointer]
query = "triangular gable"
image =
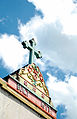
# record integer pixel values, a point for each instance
(31, 77)
(32, 74)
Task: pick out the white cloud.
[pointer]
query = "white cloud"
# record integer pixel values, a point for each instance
(41, 64)
(57, 47)
(65, 93)
(28, 31)
(11, 51)
(63, 10)
(52, 32)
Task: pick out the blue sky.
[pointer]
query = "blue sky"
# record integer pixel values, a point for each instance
(53, 24)
(11, 11)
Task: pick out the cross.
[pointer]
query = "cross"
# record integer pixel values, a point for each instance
(30, 46)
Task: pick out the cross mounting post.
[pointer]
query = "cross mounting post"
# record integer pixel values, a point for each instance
(30, 46)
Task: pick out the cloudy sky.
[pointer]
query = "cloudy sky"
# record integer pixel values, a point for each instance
(53, 24)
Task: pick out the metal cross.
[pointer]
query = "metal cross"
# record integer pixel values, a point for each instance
(30, 46)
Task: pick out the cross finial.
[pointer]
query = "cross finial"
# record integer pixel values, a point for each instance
(30, 46)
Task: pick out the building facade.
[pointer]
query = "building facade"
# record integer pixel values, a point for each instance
(24, 95)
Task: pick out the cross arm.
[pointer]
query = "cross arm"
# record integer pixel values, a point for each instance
(26, 45)
(38, 54)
